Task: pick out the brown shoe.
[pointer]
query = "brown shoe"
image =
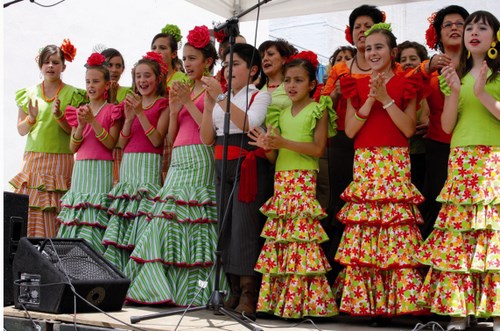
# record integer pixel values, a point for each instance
(234, 297)
(250, 286)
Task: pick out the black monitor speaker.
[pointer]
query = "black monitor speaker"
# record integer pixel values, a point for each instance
(43, 270)
(15, 224)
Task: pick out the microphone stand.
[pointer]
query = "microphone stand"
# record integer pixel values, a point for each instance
(215, 302)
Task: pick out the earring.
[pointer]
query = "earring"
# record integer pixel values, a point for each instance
(492, 52)
(206, 72)
(468, 54)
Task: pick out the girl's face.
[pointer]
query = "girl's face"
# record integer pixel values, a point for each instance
(240, 74)
(377, 52)
(272, 62)
(95, 84)
(162, 46)
(361, 25)
(194, 62)
(52, 68)
(409, 58)
(297, 84)
(115, 67)
(343, 56)
(145, 80)
(452, 30)
(478, 37)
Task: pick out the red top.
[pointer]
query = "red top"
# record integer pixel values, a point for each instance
(435, 99)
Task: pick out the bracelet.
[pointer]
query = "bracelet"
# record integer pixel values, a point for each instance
(59, 117)
(387, 105)
(360, 117)
(150, 131)
(100, 135)
(103, 137)
(125, 136)
(430, 61)
(76, 141)
(30, 122)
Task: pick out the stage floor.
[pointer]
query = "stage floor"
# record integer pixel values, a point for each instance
(197, 320)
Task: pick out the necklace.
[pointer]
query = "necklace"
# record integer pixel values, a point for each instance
(273, 86)
(198, 95)
(357, 65)
(170, 78)
(54, 97)
(151, 104)
(98, 110)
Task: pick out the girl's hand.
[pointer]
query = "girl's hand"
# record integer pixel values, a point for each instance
(258, 137)
(273, 139)
(481, 80)
(133, 105)
(183, 91)
(378, 88)
(82, 115)
(174, 101)
(212, 86)
(33, 110)
(56, 107)
(452, 79)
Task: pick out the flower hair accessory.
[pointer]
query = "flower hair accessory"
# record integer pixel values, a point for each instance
(431, 38)
(384, 17)
(383, 26)
(306, 55)
(199, 37)
(172, 30)
(220, 36)
(157, 57)
(348, 35)
(68, 50)
(95, 59)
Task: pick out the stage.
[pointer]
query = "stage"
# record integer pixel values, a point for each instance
(18, 320)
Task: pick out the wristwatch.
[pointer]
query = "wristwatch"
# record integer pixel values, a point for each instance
(221, 97)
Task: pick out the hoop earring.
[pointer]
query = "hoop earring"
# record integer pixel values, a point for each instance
(492, 52)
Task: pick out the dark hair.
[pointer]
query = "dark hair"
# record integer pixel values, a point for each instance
(110, 53)
(155, 66)
(104, 70)
(208, 51)
(47, 52)
(365, 10)
(466, 64)
(251, 56)
(439, 18)
(223, 45)
(174, 46)
(282, 46)
(308, 67)
(342, 49)
(391, 40)
(421, 50)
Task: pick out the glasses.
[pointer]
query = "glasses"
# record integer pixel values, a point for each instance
(448, 25)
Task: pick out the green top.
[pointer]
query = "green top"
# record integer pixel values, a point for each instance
(279, 97)
(301, 128)
(178, 75)
(475, 124)
(46, 136)
(122, 93)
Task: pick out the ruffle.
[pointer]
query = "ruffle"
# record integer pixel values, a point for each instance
(379, 214)
(92, 213)
(325, 102)
(461, 252)
(78, 200)
(71, 116)
(461, 294)
(273, 116)
(296, 296)
(23, 99)
(413, 88)
(470, 191)
(131, 200)
(116, 114)
(373, 292)
(468, 217)
(294, 258)
(443, 85)
(123, 233)
(381, 247)
(348, 87)
(382, 191)
(91, 234)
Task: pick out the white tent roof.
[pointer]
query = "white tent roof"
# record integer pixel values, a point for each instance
(283, 8)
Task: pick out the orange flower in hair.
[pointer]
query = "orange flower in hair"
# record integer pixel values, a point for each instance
(431, 38)
(348, 35)
(157, 57)
(68, 50)
(199, 37)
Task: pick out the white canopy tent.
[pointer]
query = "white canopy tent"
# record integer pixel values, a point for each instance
(284, 8)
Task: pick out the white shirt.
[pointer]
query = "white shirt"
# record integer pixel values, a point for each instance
(256, 113)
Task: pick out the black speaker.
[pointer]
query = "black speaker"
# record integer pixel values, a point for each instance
(15, 224)
(44, 268)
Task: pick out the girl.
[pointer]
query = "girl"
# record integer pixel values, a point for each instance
(292, 262)
(380, 277)
(178, 247)
(95, 129)
(340, 147)
(463, 248)
(444, 34)
(239, 214)
(141, 138)
(117, 93)
(48, 159)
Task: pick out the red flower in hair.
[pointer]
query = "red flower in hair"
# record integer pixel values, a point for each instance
(431, 37)
(95, 59)
(220, 35)
(199, 37)
(157, 57)
(384, 17)
(68, 50)
(306, 55)
(348, 35)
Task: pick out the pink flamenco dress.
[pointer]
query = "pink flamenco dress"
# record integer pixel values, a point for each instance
(463, 250)
(292, 262)
(84, 211)
(380, 277)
